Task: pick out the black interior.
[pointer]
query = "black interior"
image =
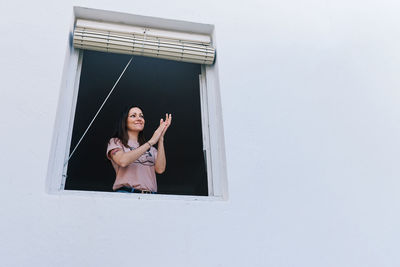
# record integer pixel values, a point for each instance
(157, 86)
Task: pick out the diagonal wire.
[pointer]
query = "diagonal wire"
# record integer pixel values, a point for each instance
(105, 100)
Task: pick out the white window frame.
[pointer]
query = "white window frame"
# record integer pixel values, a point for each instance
(211, 111)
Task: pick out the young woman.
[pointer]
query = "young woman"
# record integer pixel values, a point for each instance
(134, 159)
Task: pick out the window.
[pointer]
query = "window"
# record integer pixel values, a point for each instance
(194, 144)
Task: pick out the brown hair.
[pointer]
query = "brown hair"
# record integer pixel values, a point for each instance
(121, 131)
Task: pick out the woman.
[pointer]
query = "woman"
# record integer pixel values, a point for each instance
(134, 159)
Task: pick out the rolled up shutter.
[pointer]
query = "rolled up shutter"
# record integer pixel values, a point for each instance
(126, 39)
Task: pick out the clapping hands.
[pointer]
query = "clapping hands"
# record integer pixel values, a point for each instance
(167, 123)
(160, 132)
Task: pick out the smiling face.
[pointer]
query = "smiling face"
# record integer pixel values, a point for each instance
(135, 120)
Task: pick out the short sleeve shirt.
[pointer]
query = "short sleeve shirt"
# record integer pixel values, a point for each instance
(139, 174)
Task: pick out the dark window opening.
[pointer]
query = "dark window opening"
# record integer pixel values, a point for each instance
(157, 86)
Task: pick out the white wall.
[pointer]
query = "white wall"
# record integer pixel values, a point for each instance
(311, 118)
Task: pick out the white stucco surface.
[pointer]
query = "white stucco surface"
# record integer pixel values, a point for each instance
(311, 106)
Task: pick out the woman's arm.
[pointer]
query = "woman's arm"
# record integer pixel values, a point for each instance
(161, 161)
(123, 159)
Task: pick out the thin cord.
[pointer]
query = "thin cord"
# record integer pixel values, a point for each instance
(105, 100)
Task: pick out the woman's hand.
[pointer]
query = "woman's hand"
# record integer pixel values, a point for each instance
(157, 134)
(168, 120)
(161, 161)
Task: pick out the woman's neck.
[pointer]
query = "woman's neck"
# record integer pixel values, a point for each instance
(133, 135)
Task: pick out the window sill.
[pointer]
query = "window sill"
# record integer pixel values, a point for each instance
(136, 196)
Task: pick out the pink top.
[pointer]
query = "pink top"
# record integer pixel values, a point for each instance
(139, 174)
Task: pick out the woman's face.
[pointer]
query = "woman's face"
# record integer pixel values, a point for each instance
(135, 120)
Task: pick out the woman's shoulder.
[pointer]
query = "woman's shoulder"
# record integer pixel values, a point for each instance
(115, 141)
(153, 149)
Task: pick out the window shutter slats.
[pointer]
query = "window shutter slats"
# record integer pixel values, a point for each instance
(114, 38)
